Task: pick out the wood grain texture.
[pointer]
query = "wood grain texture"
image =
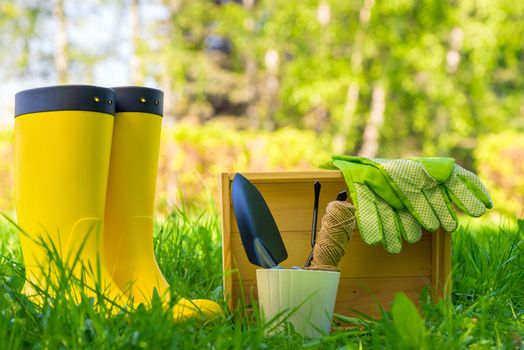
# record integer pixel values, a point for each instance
(226, 232)
(364, 295)
(361, 260)
(369, 275)
(441, 266)
(291, 203)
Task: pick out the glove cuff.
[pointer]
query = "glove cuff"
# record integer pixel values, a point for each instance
(439, 168)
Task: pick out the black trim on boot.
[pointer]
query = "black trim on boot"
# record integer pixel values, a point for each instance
(139, 99)
(64, 98)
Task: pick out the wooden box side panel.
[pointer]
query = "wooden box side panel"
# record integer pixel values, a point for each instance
(441, 266)
(226, 235)
(370, 277)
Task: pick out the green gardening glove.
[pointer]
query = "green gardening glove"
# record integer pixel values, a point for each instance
(428, 186)
(381, 215)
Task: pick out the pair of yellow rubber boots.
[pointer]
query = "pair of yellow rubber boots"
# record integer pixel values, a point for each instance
(86, 162)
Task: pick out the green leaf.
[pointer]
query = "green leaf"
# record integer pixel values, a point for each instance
(408, 323)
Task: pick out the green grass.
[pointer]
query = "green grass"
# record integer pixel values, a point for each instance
(486, 310)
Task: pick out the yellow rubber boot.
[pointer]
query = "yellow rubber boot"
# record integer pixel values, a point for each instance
(130, 201)
(62, 148)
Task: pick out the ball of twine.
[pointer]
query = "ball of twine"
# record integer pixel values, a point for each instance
(337, 227)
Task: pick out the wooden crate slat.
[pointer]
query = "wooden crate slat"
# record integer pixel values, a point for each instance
(292, 203)
(364, 295)
(360, 259)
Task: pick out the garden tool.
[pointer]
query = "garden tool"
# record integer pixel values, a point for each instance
(381, 215)
(428, 186)
(259, 232)
(128, 235)
(316, 187)
(62, 148)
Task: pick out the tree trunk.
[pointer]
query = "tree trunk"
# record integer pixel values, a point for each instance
(340, 139)
(251, 77)
(60, 55)
(272, 86)
(166, 79)
(371, 138)
(350, 106)
(137, 69)
(256, 119)
(453, 54)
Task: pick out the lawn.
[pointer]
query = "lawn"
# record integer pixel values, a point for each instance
(486, 309)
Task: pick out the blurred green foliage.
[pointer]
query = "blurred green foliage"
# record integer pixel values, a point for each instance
(501, 165)
(192, 159)
(451, 70)
(451, 73)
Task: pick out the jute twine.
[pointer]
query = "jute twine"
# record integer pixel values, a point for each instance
(337, 227)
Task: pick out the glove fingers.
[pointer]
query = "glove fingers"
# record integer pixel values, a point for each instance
(476, 186)
(410, 229)
(442, 208)
(463, 198)
(410, 178)
(390, 227)
(367, 215)
(423, 212)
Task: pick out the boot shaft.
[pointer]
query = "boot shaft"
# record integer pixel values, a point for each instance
(62, 151)
(129, 222)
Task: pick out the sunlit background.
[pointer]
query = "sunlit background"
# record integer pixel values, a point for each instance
(281, 85)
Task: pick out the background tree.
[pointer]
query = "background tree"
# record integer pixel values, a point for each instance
(377, 78)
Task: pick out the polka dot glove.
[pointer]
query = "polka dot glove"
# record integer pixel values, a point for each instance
(428, 186)
(381, 215)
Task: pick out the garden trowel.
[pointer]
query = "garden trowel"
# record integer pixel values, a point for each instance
(259, 232)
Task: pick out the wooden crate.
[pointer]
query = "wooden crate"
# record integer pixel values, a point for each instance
(369, 275)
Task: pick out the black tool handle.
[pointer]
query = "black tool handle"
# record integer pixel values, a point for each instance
(309, 259)
(315, 213)
(314, 224)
